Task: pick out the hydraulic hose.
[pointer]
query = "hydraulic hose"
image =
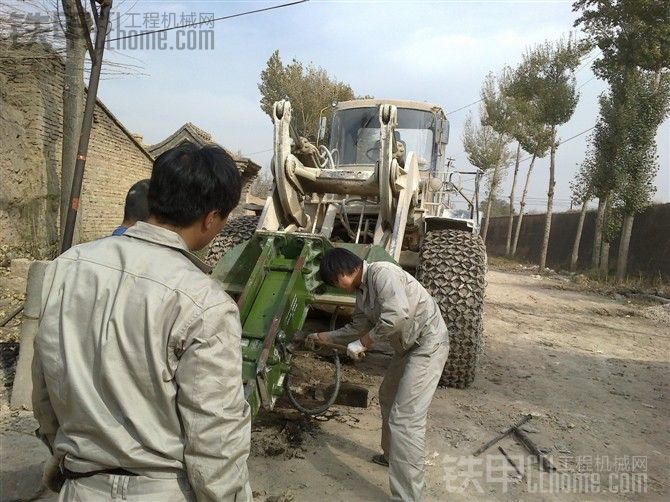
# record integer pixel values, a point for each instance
(327, 404)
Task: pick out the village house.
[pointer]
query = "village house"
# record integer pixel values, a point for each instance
(31, 104)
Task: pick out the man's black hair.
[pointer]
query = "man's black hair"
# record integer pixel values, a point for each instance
(189, 181)
(336, 262)
(137, 205)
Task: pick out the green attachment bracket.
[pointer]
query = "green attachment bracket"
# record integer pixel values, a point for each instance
(275, 278)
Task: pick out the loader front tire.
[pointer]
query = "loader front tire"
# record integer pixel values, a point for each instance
(235, 232)
(452, 268)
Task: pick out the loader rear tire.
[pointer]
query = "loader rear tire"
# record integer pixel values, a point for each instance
(452, 268)
(235, 232)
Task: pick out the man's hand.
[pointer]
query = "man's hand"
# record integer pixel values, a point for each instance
(356, 350)
(312, 340)
(367, 341)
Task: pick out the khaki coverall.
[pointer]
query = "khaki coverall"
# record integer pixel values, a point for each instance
(392, 305)
(138, 366)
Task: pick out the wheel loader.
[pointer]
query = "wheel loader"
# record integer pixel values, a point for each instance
(380, 187)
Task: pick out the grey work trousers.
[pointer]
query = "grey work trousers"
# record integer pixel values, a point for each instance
(404, 397)
(103, 487)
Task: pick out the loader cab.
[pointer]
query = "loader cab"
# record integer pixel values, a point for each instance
(355, 133)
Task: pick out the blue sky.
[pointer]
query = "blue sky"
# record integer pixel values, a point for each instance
(437, 51)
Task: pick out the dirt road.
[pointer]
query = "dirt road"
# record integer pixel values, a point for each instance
(592, 370)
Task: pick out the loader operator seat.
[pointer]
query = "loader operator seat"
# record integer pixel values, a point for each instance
(401, 149)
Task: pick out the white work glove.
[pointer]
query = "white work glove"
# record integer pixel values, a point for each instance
(356, 350)
(311, 341)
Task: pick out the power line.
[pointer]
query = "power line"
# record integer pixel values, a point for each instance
(464, 107)
(589, 80)
(207, 21)
(587, 61)
(576, 135)
(259, 151)
(565, 141)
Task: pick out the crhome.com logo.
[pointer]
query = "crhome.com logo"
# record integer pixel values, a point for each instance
(600, 474)
(127, 30)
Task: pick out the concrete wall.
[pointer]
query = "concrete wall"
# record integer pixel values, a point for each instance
(649, 251)
(31, 83)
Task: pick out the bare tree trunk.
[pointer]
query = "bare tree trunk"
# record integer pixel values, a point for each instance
(522, 206)
(622, 261)
(73, 102)
(578, 238)
(485, 229)
(604, 258)
(598, 232)
(510, 223)
(550, 200)
(605, 245)
(492, 191)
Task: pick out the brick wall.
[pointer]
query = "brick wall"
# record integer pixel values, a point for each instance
(115, 162)
(31, 83)
(30, 143)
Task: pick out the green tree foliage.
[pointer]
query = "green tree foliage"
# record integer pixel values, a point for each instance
(501, 110)
(545, 80)
(499, 207)
(308, 87)
(636, 163)
(484, 147)
(581, 186)
(629, 33)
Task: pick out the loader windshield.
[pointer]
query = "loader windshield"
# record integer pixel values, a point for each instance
(355, 135)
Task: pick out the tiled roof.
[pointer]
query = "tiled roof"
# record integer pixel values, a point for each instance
(192, 133)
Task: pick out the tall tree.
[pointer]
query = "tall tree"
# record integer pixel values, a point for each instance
(582, 191)
(604, 143)
(645, 107)
(610, 228)
(546, 78)
(505, 114)
(487, 150)
(634, 38)
(497, 114)
(534, 138)
(309, 88)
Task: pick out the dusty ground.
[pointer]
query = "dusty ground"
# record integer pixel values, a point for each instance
(593, 371)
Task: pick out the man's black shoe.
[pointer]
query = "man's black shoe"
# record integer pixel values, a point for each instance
(381, 460)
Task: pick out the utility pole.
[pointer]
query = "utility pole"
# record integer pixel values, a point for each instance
(73, 100)
(96, 54)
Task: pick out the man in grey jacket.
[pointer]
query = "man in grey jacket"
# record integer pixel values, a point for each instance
(137, 371)
(393, 306)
